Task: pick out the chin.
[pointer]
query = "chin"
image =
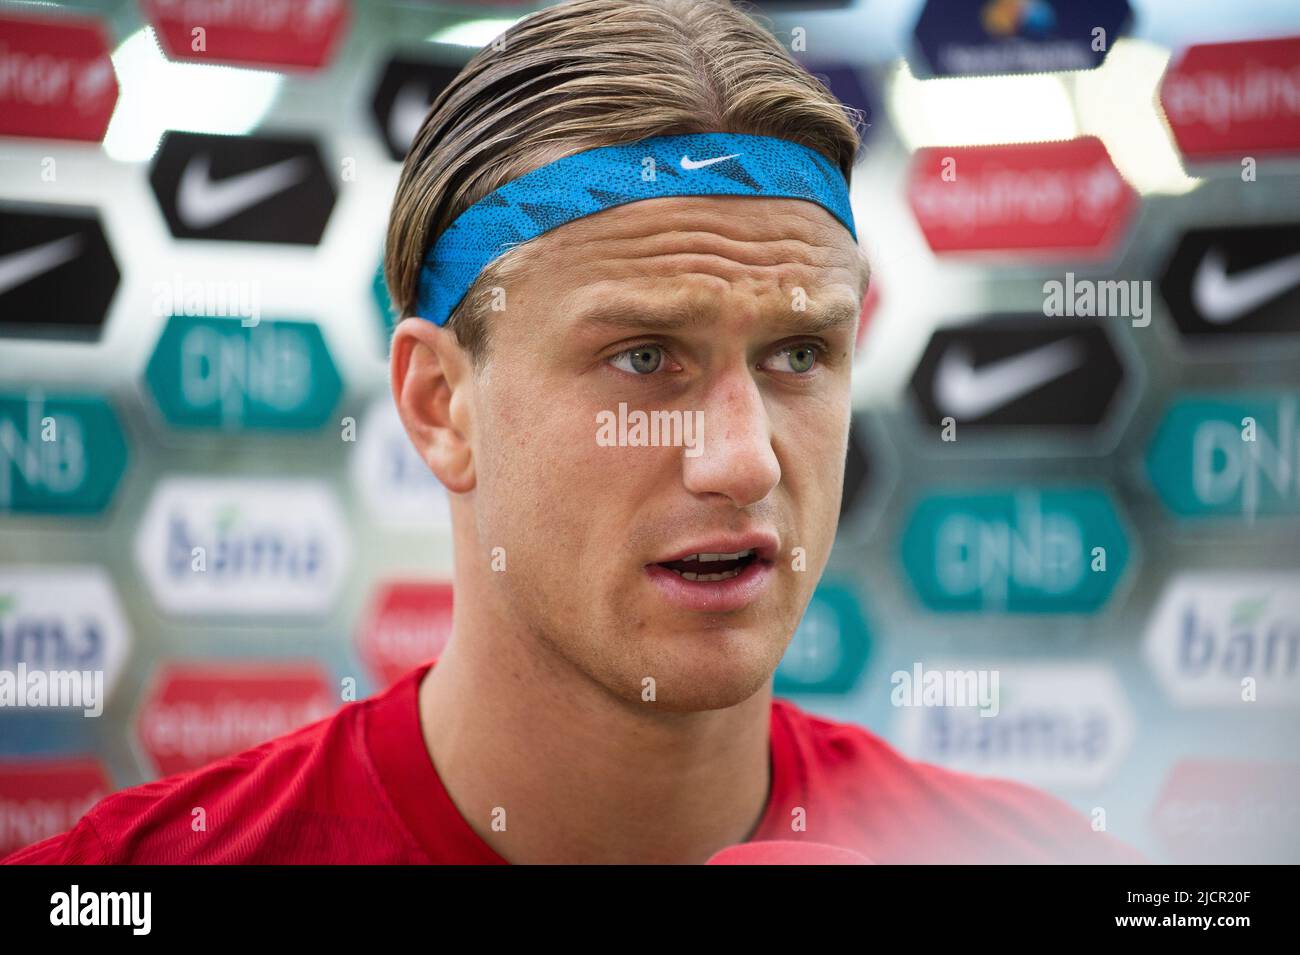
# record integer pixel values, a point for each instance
(706, 670)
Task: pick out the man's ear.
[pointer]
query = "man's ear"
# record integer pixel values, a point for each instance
(432, 379)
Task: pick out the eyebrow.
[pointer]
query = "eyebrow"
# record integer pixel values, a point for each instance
(645, 316)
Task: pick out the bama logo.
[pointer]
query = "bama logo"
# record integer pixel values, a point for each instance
(399, 490)
(241, 546)
(1057, 724)
(55, 619)
(1228, 455)
(217, 372)
(1015, 550)
(1228, 639)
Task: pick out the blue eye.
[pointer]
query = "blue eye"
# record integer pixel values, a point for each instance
(642, 360)
(801, 358)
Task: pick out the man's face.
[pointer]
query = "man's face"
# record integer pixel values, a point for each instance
(739, 314)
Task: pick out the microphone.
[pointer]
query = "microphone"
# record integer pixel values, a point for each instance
(787, 852)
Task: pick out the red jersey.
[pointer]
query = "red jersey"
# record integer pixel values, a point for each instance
(359, 787)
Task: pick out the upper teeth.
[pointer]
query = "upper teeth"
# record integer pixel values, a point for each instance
(706, 558)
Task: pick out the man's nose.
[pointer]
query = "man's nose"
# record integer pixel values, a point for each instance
(735, 457)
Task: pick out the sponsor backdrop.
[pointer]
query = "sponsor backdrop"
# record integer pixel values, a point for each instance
(1075, 462)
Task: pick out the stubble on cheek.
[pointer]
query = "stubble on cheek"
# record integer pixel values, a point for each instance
(540, 504)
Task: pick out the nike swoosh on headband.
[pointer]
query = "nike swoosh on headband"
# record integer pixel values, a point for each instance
(689, 163)
(597, 179)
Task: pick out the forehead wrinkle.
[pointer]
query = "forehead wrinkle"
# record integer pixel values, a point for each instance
(632, 314)
(658, 243)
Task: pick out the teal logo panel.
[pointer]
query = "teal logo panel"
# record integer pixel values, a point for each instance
(217, 372)
(829, 648)
(1235, 455)
(1015, 550)
(59, 454)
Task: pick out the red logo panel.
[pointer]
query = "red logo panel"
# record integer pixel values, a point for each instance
(408, 624)
(197, 713)
(1228, 100)
(1061, 199)
(56, 78)
(298, 34)
(40, 798)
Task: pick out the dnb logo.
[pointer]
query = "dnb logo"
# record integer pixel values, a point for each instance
(829, 647)
(1015, 550)
(40, 798)
(1211, 632)
(1228, 455)
(399, 490)
(196, 713)
(1056, 725)
(216, 372)
(408, 624)
(61, 454)
(61, 619)
(242, 546)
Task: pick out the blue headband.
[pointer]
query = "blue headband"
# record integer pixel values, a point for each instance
(698, 164)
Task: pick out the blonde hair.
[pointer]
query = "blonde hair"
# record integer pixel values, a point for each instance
(590, 73)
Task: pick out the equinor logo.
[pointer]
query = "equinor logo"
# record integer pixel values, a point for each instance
(242, 546)
(1228, 455)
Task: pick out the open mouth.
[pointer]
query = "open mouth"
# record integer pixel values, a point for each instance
(717, 574)
(710, 567)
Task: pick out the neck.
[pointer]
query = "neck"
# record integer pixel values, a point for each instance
(547, 766)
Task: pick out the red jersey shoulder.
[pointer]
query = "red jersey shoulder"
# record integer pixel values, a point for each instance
(307, 796)
(899, 809)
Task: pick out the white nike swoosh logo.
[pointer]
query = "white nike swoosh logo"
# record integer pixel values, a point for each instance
(964, 391)
(20, 267)
(200, 202)
(410, 106)
(688, 163)
(1224, 298)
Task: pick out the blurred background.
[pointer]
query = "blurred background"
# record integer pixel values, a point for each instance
(1076, 450)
